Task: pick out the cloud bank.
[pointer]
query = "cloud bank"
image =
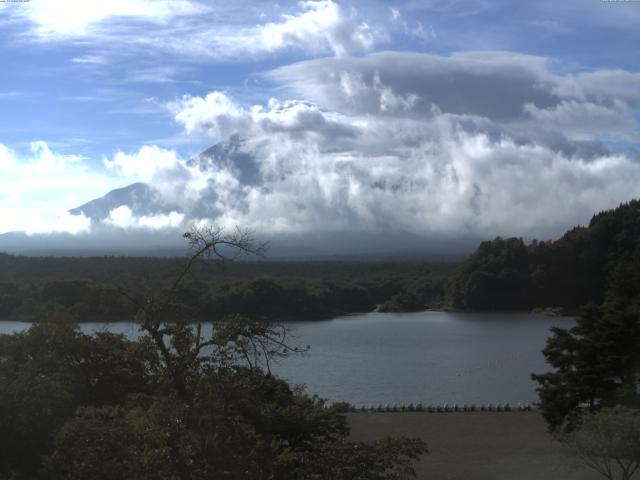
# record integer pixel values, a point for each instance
(477, 143)
(37, 188)
(472, 144)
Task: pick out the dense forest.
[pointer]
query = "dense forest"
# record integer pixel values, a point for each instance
(596, 363)
(174, 403)
(557, 276)
(79, 406)
(565, 274)
(111, 288)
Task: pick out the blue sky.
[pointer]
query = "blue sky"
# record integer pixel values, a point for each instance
(433, 117)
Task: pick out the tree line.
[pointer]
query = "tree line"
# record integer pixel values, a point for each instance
(580, 267)
(90, 289)
(174, 404)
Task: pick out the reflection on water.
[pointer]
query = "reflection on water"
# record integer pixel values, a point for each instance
(428, 357)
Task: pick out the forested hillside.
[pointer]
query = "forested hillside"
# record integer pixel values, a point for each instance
(579, 268)
(110, 288)
(501, 275)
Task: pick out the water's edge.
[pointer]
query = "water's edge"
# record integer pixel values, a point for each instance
(429, 358)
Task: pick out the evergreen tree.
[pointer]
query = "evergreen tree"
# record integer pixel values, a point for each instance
(596, 365)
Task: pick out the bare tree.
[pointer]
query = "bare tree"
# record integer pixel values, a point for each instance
(179, 337)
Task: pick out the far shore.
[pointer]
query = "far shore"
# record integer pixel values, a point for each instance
(541, 312)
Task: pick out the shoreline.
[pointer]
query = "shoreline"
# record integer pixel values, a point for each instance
(564, 314)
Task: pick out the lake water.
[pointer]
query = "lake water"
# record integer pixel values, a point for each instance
(427, 357)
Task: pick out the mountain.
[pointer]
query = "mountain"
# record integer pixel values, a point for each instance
(229, 154)
(145, 201)
(142, 199)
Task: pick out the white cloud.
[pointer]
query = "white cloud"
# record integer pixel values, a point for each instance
(480, 143)
(38, 219)
(7, 161)
(589, 121)
(491, 84)
(65, 18)
(122, 217)
(317, 27)
(214, 114)
(457, 183)
(503, 146)
(90, 60)
(508, 92)
(144, 165)
(219, 116)
(320, 26)
(169, 174)
(37, 188)
(187, 27)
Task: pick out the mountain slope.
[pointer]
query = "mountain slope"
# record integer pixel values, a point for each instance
(229, 154)
(140, 198)
(144, 200)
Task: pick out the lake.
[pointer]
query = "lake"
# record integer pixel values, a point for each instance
(424, 357)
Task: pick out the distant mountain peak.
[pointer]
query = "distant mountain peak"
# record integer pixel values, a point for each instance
(230, 154)
(142, 199)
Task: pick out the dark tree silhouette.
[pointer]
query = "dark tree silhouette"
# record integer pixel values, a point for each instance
(185, 401)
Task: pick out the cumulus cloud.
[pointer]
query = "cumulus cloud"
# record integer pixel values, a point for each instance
(220, 117)
(169, 174)
(37, 188)
(320, 26)
(122, 217)
(215, 114)
(478, 143)
(144, 165)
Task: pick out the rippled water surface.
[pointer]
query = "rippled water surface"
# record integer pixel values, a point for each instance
(428, 357)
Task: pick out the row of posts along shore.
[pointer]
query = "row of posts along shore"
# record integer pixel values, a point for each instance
(444, 408)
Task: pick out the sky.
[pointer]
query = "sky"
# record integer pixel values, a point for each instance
(449, 118)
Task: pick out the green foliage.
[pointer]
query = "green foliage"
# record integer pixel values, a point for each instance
(288, 299)
(34, 289)
(46, 373)
(579, 268)
(607, 441)
(596, 364)
(403, 302)
(90, 407)
(494, 277)
(175, 404)
(426, 290)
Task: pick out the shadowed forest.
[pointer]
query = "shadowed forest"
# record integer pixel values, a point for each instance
(174, 404)
(554, 276)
